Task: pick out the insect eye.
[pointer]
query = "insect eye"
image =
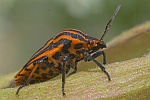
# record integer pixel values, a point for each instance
(100, 42)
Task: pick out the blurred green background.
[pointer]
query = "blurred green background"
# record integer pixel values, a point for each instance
(25, 25)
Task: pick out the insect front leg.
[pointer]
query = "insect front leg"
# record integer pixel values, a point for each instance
(64, 73)
(98, 53)
(89, 57)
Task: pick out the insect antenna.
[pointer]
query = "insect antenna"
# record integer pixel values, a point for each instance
(110, 22)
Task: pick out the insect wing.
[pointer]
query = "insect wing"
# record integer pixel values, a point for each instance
(36, 60)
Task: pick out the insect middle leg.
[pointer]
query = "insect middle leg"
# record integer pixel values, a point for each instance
(64, 73)
(74, 70)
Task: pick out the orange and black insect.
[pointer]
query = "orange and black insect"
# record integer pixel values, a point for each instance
(61, 53)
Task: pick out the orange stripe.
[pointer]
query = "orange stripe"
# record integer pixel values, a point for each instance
(48, 53)
(22, 71)
(35, 67)
(47, 44)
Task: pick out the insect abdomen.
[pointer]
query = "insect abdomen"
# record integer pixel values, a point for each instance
(38, 72)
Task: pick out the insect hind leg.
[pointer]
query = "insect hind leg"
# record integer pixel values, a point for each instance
(20, 87)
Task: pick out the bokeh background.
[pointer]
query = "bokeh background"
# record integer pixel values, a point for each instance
(25, 25)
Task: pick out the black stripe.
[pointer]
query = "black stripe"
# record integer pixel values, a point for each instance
(83, 34)
(40, 48)
(78, 46)
(79, 32)
(47, 48)
(57, 55)
(21, 74)
(62, 41)
(76, 36)
(66, 46)
(44, 50)
(26, 68)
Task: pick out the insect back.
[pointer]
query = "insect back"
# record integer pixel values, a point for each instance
(61, 53)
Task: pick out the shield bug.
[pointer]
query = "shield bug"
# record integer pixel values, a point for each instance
(61, 53)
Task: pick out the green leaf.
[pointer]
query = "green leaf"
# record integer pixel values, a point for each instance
(130, 80)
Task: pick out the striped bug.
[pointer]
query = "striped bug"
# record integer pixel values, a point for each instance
(61, 53)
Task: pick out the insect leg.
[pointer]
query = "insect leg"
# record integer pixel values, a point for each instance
(20, 88)
(74, 71)
(64, 73)
(26, 82)
(98, 53)
(87, 55)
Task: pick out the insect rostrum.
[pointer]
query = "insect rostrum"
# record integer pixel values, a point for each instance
(60, 54)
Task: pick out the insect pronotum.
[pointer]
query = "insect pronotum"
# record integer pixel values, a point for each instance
(61, 53)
